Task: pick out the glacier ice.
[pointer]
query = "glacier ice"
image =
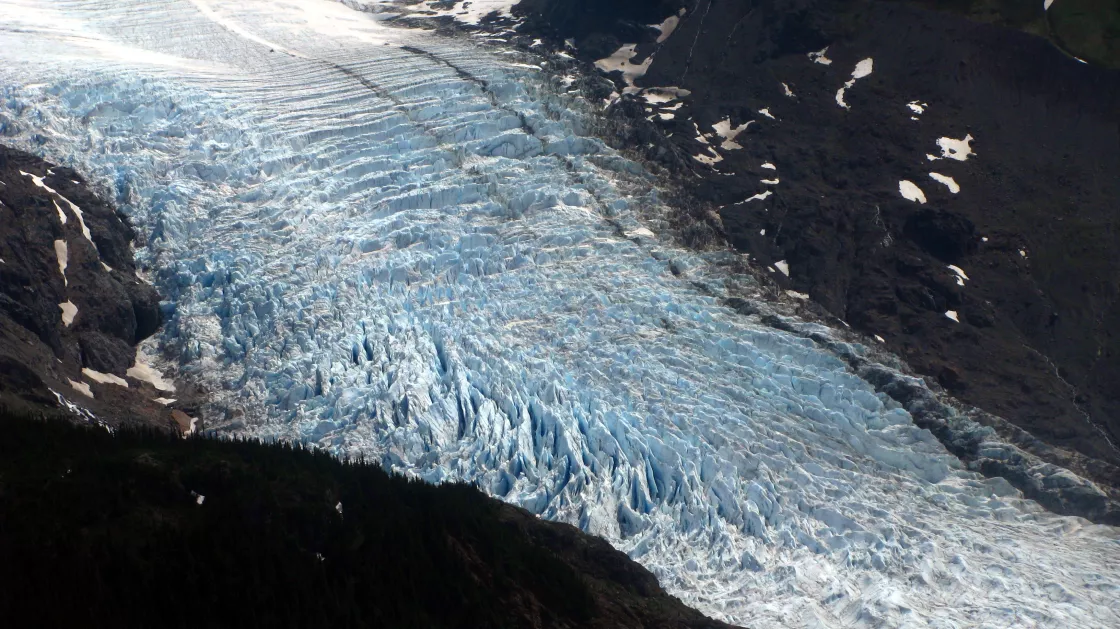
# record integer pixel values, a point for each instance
(403, 247)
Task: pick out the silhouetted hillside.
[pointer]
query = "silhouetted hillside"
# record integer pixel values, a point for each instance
(146, 529)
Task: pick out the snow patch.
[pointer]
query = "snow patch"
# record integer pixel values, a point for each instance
(164, 400)
(797, 295)
(949, 182)
(880, 339)
(765, 111)
(63, 256)
(769, 166)
(81, 387)
(959, 272)
(728, 133)
(782, 266)
(916, 106)
(952, 314)
(819, 57)
(620, 61)
(38, 181)
(862, 69)
(911, 192)
(667, 27)
(758, 197)
(770, 182)
(69, 311)
(104, 378)
(956, 149)
(787, 91)
(709, 158)
(146, 373)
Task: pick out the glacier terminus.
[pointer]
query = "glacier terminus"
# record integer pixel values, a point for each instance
(413, 248)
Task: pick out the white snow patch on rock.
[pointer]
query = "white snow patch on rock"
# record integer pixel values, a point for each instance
(956, 149)
(710, 158)
(1046, 4)
(69, 311)
(38, 181)
(620, 61)
(862, 69)
(146, 373)
(782, 266)
(164, 400)
(728, 133)
(81, 387)
(952, 314)
(819, 57)
(949, 182)
(769, 166)
(62, 255)
(104, 378)
(667, 27)
(880, 339)
(797, 295)
(770, 182)
(787, 91)
(917, 107)
(911, 192)
(959, 272)
(765, 111)
(758, 197)
(61, 214)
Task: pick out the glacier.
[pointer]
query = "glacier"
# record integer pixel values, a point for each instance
(413, 248)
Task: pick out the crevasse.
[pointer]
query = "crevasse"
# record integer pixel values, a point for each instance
(403, 247)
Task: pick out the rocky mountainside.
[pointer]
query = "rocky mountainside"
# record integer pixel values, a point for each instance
(945, 186)
(72, 309)
(140, 529)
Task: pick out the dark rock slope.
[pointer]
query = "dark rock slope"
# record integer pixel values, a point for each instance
(142, 530)
(72, 308)
(1035, 225)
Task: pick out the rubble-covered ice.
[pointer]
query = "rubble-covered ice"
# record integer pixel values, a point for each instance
(393, 244)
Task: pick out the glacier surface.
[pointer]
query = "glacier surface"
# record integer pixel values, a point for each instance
(409, 248)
